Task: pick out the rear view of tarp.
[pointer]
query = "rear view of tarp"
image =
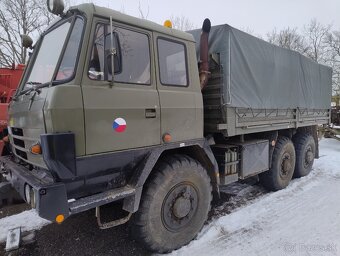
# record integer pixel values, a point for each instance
(260, 75)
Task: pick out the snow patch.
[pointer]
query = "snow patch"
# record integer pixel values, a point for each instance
(329, 161)
(27, 220)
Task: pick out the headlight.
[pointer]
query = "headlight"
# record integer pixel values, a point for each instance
(28, 193)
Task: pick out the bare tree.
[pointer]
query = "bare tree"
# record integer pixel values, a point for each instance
(288, 38)
(178, 22)
(333, 41)
(181, 23)
(143, 15)
(18, 17)
(316, 39)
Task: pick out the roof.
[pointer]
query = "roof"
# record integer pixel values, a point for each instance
(91, 9)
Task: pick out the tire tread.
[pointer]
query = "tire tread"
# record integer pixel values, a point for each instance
(162, 171)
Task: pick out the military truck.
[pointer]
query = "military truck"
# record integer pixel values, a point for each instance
(112, 108)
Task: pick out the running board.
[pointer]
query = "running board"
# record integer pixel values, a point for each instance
(100, 199)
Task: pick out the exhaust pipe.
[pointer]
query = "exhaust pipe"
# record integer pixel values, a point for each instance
(204, 54)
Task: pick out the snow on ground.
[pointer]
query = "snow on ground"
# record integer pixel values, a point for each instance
(27, 220)
(303, 219)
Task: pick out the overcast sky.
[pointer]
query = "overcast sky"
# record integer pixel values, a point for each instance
(260, 16)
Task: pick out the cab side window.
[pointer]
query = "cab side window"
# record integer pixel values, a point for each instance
(96, 68)
(172, 63)
(132, 61)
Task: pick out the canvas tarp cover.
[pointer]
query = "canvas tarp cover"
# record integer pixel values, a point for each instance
(260, 75)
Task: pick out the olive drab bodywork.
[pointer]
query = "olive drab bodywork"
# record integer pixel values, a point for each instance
(116, 113)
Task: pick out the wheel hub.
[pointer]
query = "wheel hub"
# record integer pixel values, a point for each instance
(179, 206)
(286, 165)
(309, 156)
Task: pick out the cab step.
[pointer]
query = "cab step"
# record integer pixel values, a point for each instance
(112, 223)
(100, 199)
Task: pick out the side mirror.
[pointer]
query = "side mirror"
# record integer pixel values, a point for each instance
(26, 41)
(56, 6)
(113, 58)
(113, 52)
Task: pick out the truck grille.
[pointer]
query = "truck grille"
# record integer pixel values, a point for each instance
(19, 143)
(21, 153)
(18, 132)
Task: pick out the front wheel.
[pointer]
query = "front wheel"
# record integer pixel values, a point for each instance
(174, 205)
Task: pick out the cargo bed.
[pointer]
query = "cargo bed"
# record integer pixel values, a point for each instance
(256, 86)
(231, 121)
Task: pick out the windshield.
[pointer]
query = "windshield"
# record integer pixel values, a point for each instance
(49, 52)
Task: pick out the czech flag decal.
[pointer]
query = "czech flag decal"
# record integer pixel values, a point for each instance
(119, 124)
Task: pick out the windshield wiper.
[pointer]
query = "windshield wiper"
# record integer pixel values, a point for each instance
(36, 87)
(33, 83)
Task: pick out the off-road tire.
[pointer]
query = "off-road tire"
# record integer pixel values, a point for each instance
(178, 185)
(304, 145)
(280, 173)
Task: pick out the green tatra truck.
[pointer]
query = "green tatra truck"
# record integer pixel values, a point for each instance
(114, 108)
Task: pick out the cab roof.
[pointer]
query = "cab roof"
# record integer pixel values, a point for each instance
(91, 9)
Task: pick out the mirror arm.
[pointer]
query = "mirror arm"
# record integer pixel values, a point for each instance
(113, 53)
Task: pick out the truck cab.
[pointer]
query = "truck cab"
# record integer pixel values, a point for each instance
(69, 95)
(75, 87)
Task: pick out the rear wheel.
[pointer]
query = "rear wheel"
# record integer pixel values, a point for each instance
(282, 168)
(174, 206)
(305, 154)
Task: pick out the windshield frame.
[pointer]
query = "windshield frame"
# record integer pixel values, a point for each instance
(67, 18)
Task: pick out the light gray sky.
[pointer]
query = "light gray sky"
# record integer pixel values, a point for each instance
(260, 16)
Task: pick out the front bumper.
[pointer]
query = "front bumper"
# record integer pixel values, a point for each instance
(50, 198)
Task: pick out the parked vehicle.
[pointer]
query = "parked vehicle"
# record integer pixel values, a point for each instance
(120, 111)
(9, 80)
(335, 111)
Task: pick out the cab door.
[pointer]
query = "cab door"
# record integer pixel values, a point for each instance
(179, 88)
(125, 115)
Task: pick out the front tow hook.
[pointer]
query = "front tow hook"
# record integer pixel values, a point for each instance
(3, 169)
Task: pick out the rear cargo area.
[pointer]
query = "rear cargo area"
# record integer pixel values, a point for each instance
(257, 84)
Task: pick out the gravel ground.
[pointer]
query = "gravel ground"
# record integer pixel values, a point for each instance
(80, 235)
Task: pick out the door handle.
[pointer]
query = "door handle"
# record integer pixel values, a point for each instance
(150, 113)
